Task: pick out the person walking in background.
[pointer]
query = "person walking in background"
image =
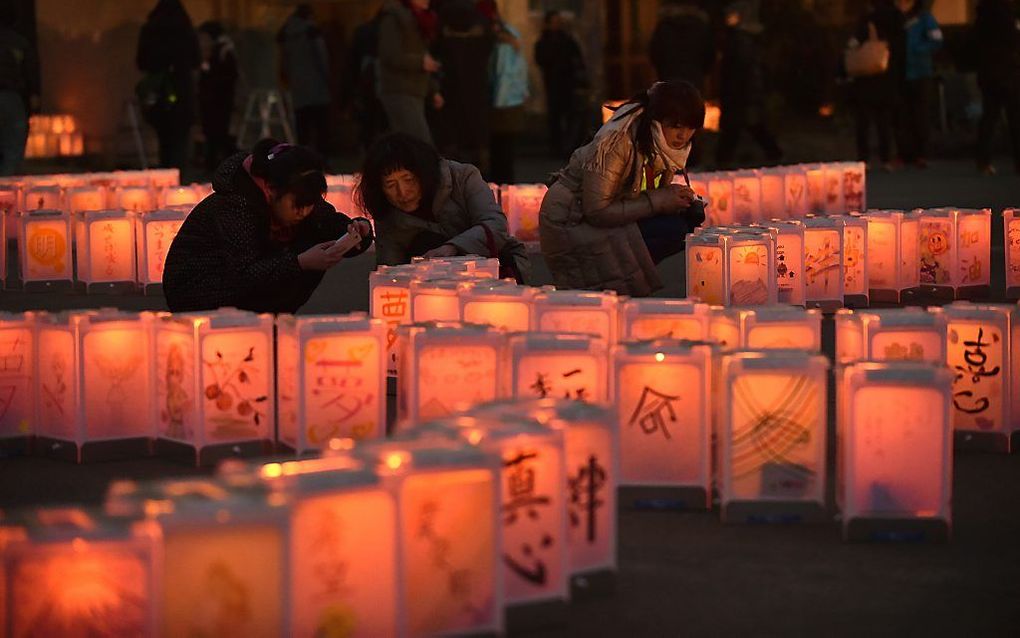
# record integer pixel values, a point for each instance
(406, 29)
(168, 54)
(360, 82)
(304, 70)
(922, 39)
(559, 57)
(742, 87)
(509, 79)
(997, 44)
(19, 91)
(874, 96)
(217, 83)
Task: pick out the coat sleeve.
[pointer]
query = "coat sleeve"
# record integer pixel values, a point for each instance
(602, 202)
(391, 47)
(481, 209)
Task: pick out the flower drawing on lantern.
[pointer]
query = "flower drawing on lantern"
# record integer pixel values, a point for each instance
(976, 366)
(176, 402)
(586, 486)
(821, 262)
(118, 371)
(237, 406)
(934, 243)
(653, 411)
(224, 607)
(460, 580)
(523, 504)
(339, 391)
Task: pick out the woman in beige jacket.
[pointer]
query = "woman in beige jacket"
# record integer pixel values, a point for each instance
(613, 212)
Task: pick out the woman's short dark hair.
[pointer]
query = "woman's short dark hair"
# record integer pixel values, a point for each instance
(394, 152)
(672, 103)
(289, 169)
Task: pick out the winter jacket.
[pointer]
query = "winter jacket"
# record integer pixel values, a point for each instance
(509, 74)
(682, 45)
(168, 44)
(924, 38)
(559, 56)
(997, 44)
(463, 48)
(217, 81)
(224, 255)
(305, 62)
(462, 204)
(402, 52)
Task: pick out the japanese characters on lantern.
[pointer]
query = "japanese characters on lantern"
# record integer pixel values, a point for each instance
(823, 262)
(974, 252)
(855, 260)
(44, 249)
(1011, 235)
(895, 449)
(521, 202)
(649, 318)
(331, 379)
(893, 265)
(557, 365)
(106, 250)
(899, 334)
(954, 251)
(498, 303)
(155, 232)
(662, 395)
(579, 312)
(17, 364)
(772, 434)
(389, 301)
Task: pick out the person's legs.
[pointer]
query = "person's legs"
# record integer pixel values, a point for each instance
(406, 114)
(922, 117)
(13, 132)
(991, 107)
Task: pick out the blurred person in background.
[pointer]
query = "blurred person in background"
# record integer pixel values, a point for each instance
(217, 84)
(407, 28)
(997, 43)
(360, 82)
(304, 71)
(559, 57)
(509, 90)
(923, 38)
(874, 96)
(19, 91)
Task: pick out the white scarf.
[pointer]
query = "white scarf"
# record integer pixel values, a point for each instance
(675, 159)
(666, 157)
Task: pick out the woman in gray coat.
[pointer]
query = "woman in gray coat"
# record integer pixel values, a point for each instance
(428, 206)
(613, 212)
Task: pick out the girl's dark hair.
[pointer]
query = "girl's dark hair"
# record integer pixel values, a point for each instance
(289, 169)
(394, 152)
(673, 103)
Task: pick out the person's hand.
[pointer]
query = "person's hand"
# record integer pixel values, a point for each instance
(319, 257)
(430, 64)
(446, 250)
(360, 226)
(671, 198)
(438, 101)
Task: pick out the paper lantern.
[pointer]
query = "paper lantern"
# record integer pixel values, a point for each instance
(446, 366)
(85, 198)
(750, 277)
(522, 203)
(724, 327)
(341, 197)
(462, 266)
(341, 178)
(656, 318)
(155, 232)
(69, 572)
(134, 198)
(720, 198)
(790, 286)
(704, 270)
(772, 435)
(42, 198)
(435, 300)
(154, 178)
(332, 379)
(854, 186)
(746, 197)
(974, 232)
(180, 196)
(902, 334)
(561, 366)
(834, 198)
(214, 383)
(663, 401)
(816, 187)
(795, 185)
(1011, 235)
(448, 507)
(8, 209)
(389, 300)
(578, 312)
(44, 249)
(106, 250)
(781, 328)
(17, 365)
(500, 304)
(896, 451)
(978, 353)
(3, 249)
(823, 262)
(856, 283)
(954, 247)
(892, 254)
(773, 195)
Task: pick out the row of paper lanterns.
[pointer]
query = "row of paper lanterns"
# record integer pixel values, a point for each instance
(850, 260)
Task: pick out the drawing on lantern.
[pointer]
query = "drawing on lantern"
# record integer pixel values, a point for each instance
(972, 268)
(15, 382)
(934, 243)
(523, 503)
(653, 411)
(975, 355)
(452, 375)
(853, 189)
(795, 187)
(833, 189)
(176, 401)
(235, 389)
(527, 201)
(853, 259)
(744, 204)
(897, 351)
(652, 327)
(393, 310)
(591, 322)
(53, 390)
(340, 376)
(224, 604)
(774, 420)
(47, 248)
(705, 274)
(460, 580)
(749, 275)
(330, 569)
(1013, 258)
(118, 373)
(821, 262)
(586, 486)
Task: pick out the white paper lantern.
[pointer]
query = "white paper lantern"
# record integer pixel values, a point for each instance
(578, 312)
(649, 318)
(746, 197)
(498, 303)
(954, 251)
(17, 374)
(781, 328)
(156, 231)
(522, 203)
(560, 366)
(855, 260)
(823, 262)
(44, 249)
(901, 334)
(892, 259)
(790, 286)
(106, 257)
(390, 301)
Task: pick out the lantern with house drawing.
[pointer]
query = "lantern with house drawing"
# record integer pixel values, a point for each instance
(557, 365)
(657, 318)
(106, 250)
(44, 249)
(892, 254)
(750, 273)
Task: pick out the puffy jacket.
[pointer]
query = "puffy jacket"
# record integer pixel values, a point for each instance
(402, 52)
(924, 38)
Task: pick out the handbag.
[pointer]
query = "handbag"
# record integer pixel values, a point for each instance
(508, 267)
(871, 57)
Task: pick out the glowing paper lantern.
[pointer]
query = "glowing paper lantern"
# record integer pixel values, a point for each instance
(435, 300)
(772, 435)
(705, 267)
(656, 318)
(522, 203)
(901, 334)
(8, 208)
(855, 260)
(106, 250)
(823, 262)
(561, 366)
(331, 378)
(662, 395)
(578, 312)
(3, 249)
(68, 572)
(720, 198)
(773, 195)
(892, 256)
(445, 366)
(746, 197)
(44, 249)
(1011, 234)
(154, 178)
(978, 353)
(463, 266)
(42, 198)
(781, 328)
(795, 184)
(17, 365)
(214, 382)
(974, 252)
(724, 327)
(834, 202)
(816, 188)
(854, 186)
(85, 198)
(750, 277)
(500, 304)
(790, 287)
(137, 199)
(180, 196)
(896, 450)
(954, 248)
(389, 300)
(155, 232)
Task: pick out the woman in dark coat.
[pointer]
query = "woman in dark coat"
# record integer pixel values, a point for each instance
(263, 239)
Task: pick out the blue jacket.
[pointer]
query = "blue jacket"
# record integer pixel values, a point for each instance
(924, 38)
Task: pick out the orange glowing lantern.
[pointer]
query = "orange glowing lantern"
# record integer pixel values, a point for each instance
(214, 383)
(154, 178)
(823, 262)
(720, 198)
(978, 350)
(522, 203)
(180, 196)
(892, 256)
(746, 197)
(816, 188)
(561, 366)
(1011, 234)
(772, 435)
(896, 450)
(69, 572)
(834, 200)
(446, 366)
(8, 208)
(461, 266)
(500, 304)
(795, 187)
(332, 379)
(43, 198)
(901, 334)
(704, 253)
(781, 328)
(790, 287)
(341, 179)
(854, 186)
(44, 249)
(155, 232)
(389, 300)
(86, 198)
(578, 312)
(773, 195)
(106, 251)
(137, 199)
(17, 366)
(855, 260)
(3, 249)
(713, 115)
(662, 394)
(749, 277)
(974, 252)
(435, 300)
(698, 184)
(954, 247)
(654, 318)
(724, 327)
